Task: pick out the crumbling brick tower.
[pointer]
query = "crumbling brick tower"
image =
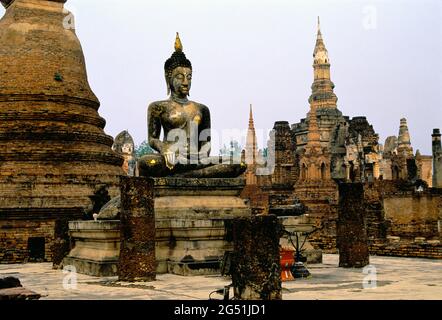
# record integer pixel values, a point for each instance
(54, 154)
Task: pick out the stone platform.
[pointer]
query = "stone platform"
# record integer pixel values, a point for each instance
(95, 247)
(192, 229)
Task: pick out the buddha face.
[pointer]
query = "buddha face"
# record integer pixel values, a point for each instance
(126, 148)
(181, 81)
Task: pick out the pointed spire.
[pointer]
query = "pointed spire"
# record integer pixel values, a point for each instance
(178, 44)
(251, 122)
(320, 54)
(322, 88)
(319, 29)
(251, 144)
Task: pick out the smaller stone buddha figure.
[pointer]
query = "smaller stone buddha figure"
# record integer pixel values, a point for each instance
(124, 146)
(184, 150)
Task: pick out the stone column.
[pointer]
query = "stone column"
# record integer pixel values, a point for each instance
(352, 239)
(256, 269)
(137, 249)
(437, 158)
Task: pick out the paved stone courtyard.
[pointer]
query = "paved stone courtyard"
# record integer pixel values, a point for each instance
(397, 278)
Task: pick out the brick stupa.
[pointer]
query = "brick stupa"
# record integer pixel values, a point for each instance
(54, 154)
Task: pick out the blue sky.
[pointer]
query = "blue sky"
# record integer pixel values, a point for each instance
(386, 59)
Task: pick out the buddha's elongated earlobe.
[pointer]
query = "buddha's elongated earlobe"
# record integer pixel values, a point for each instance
(167, 83)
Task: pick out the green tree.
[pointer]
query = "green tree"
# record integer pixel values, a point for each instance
(143, 149)
(265, 152)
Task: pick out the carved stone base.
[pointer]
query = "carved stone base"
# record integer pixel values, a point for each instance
(95, 247)
(192, 222)
(193, 228)
(92, 267)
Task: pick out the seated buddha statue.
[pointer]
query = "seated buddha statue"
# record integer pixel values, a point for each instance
(184, 150)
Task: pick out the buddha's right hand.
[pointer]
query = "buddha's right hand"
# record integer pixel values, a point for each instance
(169, 158)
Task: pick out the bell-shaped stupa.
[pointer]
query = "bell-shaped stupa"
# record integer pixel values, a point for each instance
(54, 155)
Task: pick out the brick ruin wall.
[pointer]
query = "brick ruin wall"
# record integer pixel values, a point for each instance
(321, 201)
(325, 221)
(412, 216)
(402, 221)
(393, 209)
(36, 236)
(401, 249)
(14, 236)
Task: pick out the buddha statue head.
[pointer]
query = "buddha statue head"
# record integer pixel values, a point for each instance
(124, 143)
(178, 72)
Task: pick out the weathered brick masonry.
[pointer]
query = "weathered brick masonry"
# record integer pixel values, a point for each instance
(256, 269)
(351, 228)
(137, 249)
(417, 250)
(54, 154)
